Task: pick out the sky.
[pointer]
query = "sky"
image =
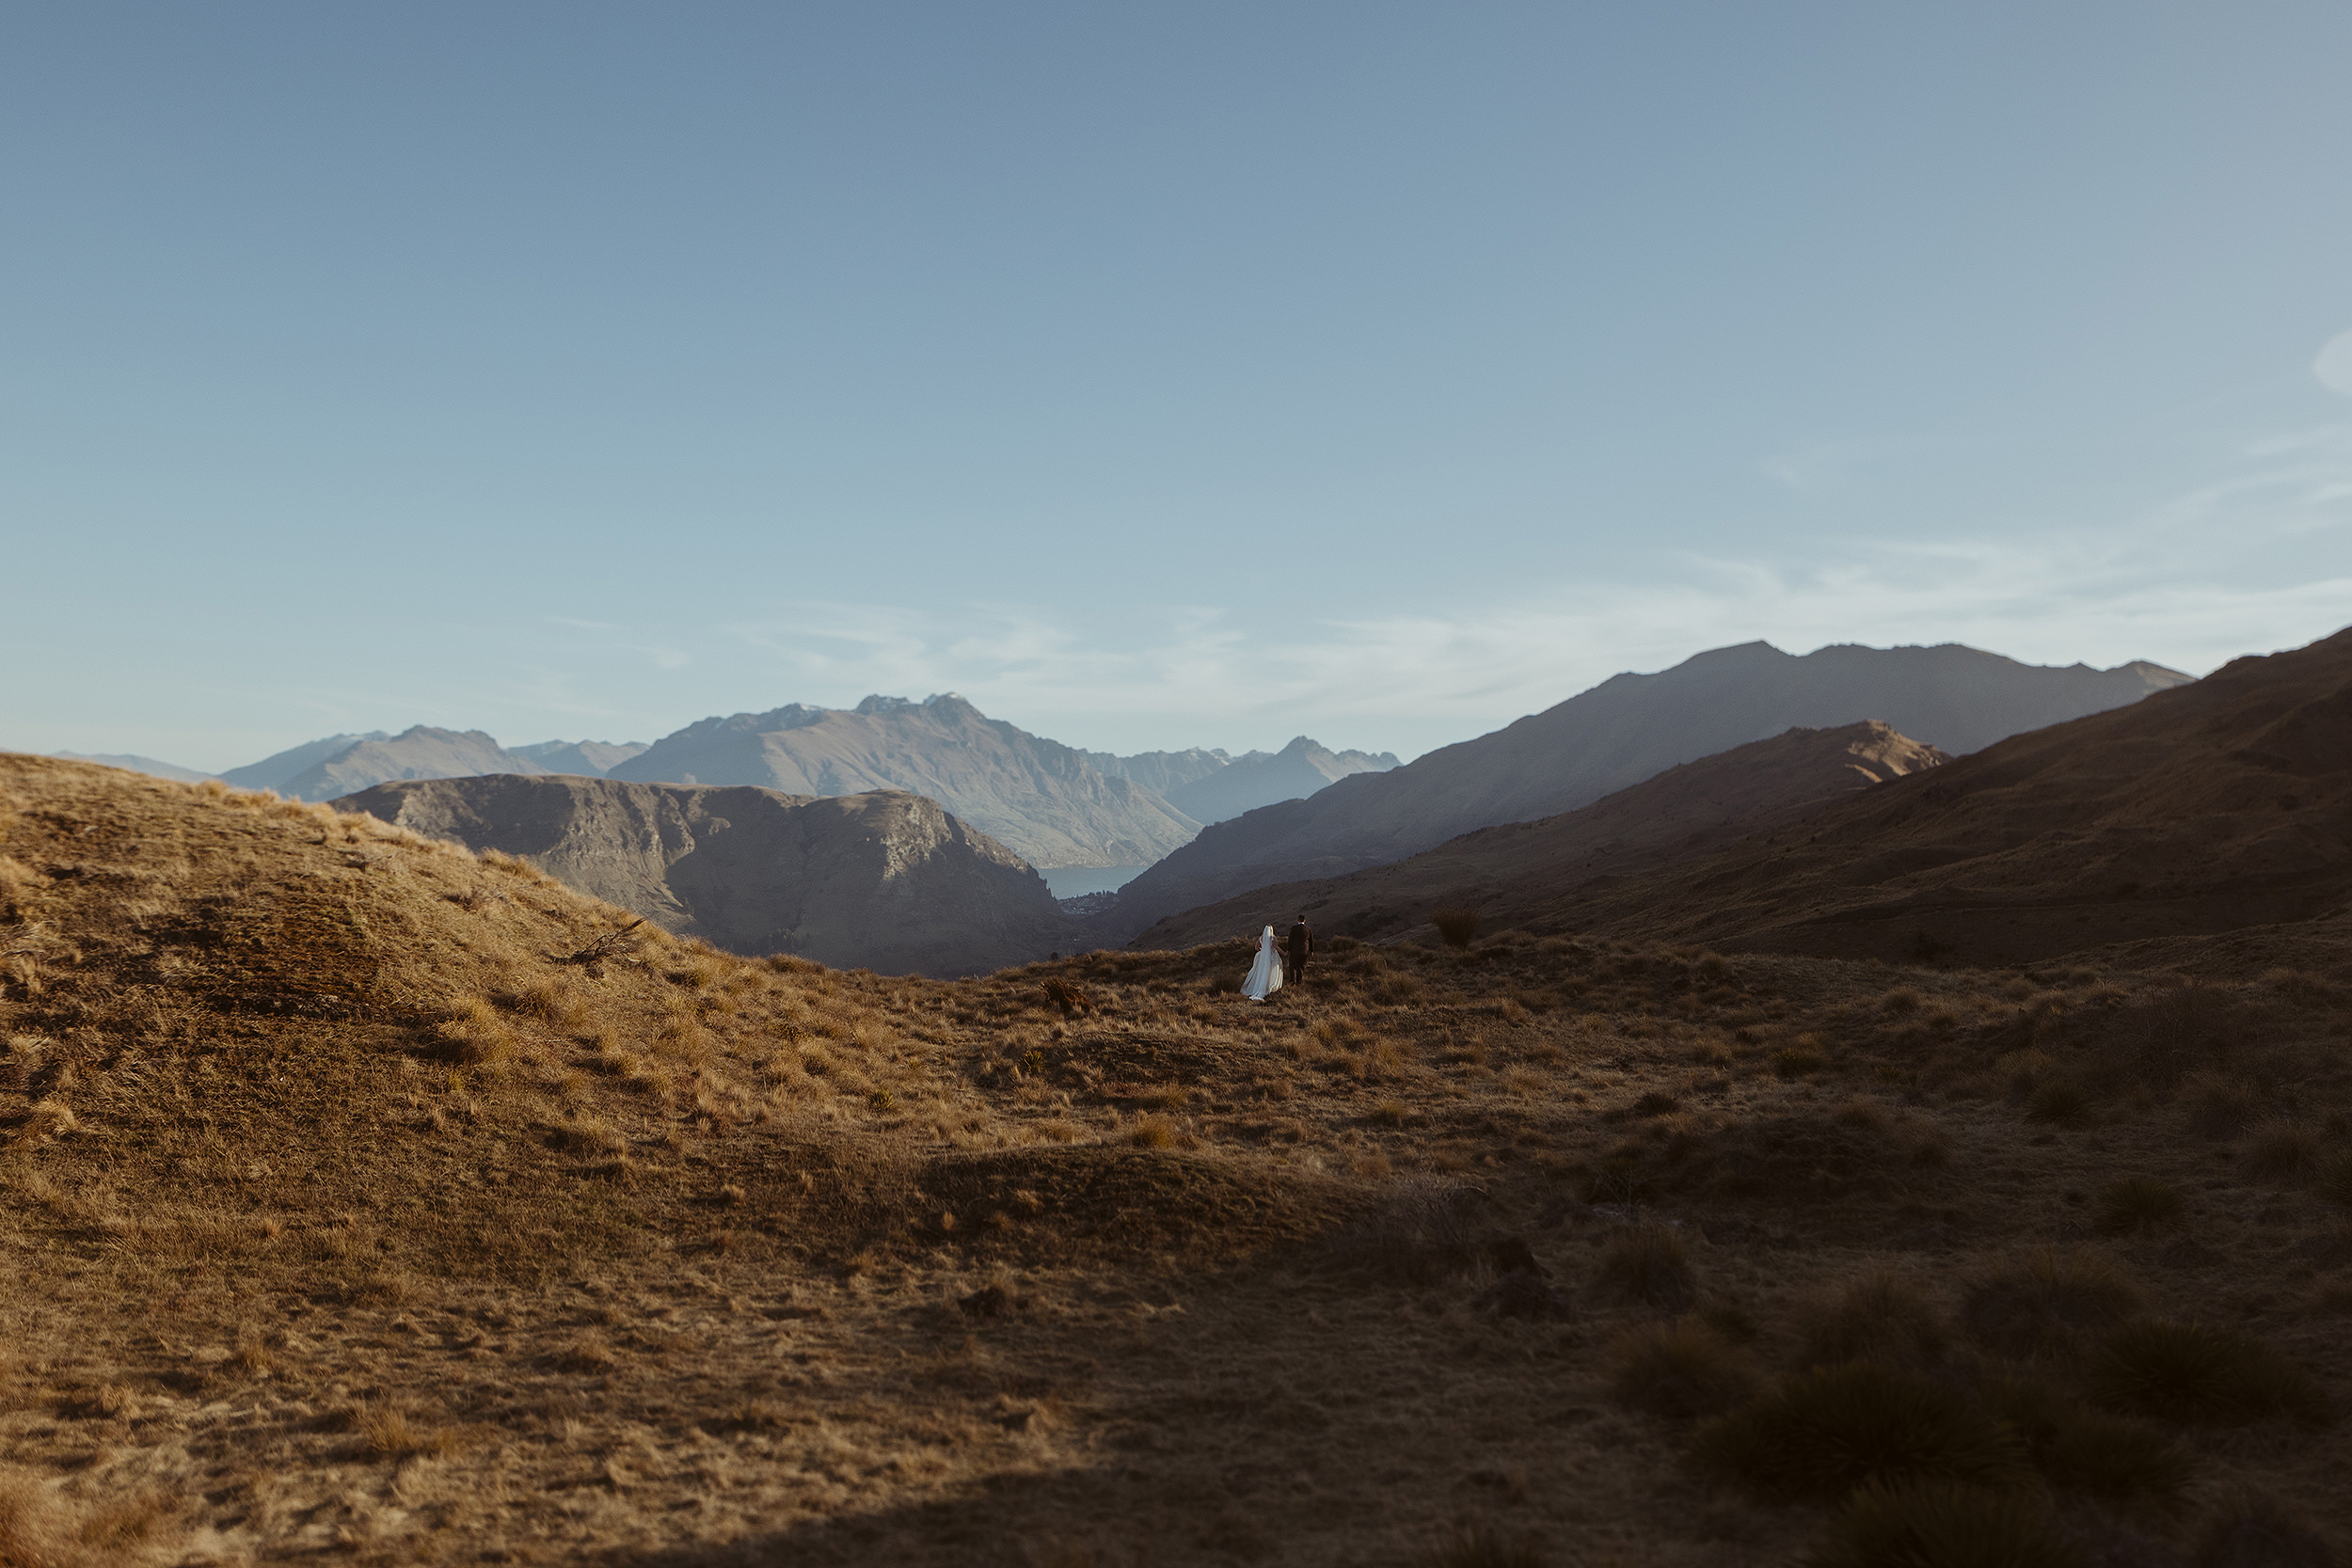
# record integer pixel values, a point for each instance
(1153, 376)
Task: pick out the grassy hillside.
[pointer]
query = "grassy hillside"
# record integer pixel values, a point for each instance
(345, 1218)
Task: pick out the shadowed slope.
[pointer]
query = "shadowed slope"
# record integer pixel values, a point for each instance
(2219, 805)
(886, 881)
(1510, 870)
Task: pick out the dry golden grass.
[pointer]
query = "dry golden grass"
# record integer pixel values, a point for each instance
(342, 1221)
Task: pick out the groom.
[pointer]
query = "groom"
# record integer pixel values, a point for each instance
(1302, 942)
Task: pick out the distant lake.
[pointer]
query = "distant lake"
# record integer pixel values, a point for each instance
(1070, 882)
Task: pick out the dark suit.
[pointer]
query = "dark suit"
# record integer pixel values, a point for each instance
(1302, 942)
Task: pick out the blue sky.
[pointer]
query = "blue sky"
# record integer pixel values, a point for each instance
(1153, 376)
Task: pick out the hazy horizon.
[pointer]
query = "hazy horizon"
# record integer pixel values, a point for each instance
(511, 741)
(1152, 380)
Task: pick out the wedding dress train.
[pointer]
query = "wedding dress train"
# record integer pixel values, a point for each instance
(1265, 975)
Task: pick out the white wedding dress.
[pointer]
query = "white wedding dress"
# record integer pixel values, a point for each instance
(1265, 975)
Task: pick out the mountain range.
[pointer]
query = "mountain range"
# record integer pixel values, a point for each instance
(1040, 799)
(1628, 728)
(1211, 786)
(1057, 806)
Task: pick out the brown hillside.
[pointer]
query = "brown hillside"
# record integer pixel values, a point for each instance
(342, 1219)
(2204, 809)
(1507, 872)
(882, 881)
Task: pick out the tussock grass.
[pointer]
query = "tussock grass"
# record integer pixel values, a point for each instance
(1801, 1060)
(2218, 1105)
(1822, 1433)
(1946, 1524)
(2083, 1450)
(2199, 1372)
(473, 1034)
(1883, 1317)
(1483, 1547)
(2132, 1204)
(2284, 1149)
(1650, 1264)
(1682, 1369)
(2047, 1300)
(2062, 1100)
(2333, 1179)
(2250, 1527)
(390, 1432)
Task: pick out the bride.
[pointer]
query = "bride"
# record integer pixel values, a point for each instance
(1265, 975)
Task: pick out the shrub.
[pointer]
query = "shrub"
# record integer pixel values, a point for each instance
(1648, 1263)
(2137, 1203)
(2199, 1372)
(1822, 1433)
(2076, 1449)
(1943, 1524)
(2254, 1530)
(1457, 924)
(1685, 1367)
(1423, 1233)
(2046, 1300)
(2284, 1150)
(1881, 1316)
(1071, 999)
(1151, 1133)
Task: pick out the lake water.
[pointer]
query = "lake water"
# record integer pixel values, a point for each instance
(1070, 882)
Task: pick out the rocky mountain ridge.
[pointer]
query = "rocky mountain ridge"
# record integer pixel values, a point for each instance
(1040, 798)
(882, 881)
(1628, 728)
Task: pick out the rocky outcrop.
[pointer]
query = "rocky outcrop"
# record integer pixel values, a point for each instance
(1506, 873)
(1625, 730)
(1040, 798)
(884, 880)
